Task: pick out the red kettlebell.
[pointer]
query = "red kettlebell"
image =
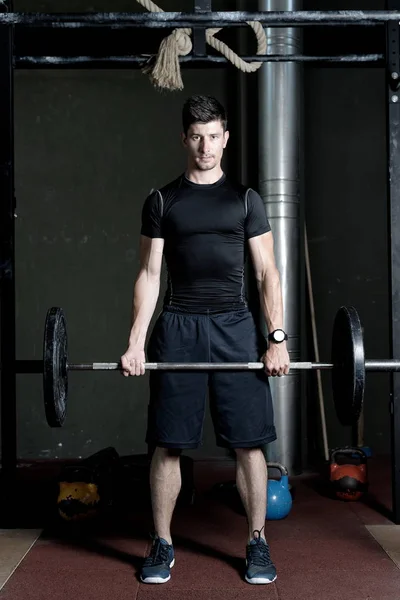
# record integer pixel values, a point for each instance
(348, 473)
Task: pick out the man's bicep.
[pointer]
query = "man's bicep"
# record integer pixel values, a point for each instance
(262, 253)
(151, 254)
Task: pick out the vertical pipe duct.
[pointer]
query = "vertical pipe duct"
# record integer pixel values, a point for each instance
(280, 133)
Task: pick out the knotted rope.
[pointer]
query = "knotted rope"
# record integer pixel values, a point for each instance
(165, 73)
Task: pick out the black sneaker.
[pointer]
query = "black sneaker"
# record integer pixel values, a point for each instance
(157, 566)
(260, 568)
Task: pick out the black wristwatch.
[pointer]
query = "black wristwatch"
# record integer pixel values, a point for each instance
(277, 336)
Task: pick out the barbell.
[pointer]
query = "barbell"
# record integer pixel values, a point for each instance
(348, 366)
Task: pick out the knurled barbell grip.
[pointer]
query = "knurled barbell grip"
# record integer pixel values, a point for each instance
(250, 366)
(36, 366)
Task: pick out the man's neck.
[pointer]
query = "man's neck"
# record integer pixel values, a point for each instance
(204, 177)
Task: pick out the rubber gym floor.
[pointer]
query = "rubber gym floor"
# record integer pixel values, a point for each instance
(325, 549)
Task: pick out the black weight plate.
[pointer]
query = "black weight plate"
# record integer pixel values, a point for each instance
(55, 360)
(348, 374)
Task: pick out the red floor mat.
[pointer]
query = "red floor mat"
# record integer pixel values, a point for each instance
(322, 551)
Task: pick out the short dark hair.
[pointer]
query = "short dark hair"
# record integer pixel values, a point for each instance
(203, 109)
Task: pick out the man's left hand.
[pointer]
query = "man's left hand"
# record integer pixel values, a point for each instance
(276, 360)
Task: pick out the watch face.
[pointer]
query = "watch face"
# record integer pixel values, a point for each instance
(279, 335)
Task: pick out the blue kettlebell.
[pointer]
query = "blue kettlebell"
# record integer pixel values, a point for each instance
(279, 498)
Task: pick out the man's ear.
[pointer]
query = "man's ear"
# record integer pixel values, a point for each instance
(183, 139)
(226, 138)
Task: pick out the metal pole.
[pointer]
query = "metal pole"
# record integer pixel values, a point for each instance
(393, 188)
(129, 62)
(273, 18)
(7, 257)
(280, 93)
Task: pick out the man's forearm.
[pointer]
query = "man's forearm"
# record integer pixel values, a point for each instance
(145, 296)
(269, 287)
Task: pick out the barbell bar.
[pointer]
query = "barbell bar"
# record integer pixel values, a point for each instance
(197, 366)
(374, 365)
(348, 366)
(388, 364)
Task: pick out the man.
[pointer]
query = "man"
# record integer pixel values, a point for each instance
(205, 226)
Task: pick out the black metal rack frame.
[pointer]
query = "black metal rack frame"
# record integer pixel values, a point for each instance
(22, 47)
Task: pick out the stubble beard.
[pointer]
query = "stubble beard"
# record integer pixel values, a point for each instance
(206, 165)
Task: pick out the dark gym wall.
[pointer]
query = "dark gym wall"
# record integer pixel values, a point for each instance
(346, 212)
(89, 147)
(347, 223)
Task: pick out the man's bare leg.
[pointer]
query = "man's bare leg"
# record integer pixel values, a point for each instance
(251, 481)
(165, 485)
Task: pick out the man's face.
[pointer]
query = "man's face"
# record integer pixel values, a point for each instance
(205, 143)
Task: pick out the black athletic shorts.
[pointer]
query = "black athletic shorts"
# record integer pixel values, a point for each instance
(240, 401)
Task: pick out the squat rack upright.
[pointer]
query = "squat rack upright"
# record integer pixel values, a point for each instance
(24, 26)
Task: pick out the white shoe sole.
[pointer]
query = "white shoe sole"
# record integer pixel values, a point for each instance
(260, 580)
(158, 579)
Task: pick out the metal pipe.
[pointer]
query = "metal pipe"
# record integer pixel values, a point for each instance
(54, 61)
(393, 237)
(280, 100)
(273, 18)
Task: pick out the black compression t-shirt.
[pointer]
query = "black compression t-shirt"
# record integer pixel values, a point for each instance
(205, 228)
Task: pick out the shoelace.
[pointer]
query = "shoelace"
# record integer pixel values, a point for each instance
(259, 552)
(158, 555)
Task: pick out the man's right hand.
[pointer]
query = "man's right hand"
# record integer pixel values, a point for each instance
(132, 362)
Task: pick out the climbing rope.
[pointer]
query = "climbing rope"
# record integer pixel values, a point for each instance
(165, 73)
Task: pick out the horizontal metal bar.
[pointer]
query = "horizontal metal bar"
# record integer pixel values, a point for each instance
(384, 364)
(36, 366)
(209, 19)
(252, 366)
(53, 61)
